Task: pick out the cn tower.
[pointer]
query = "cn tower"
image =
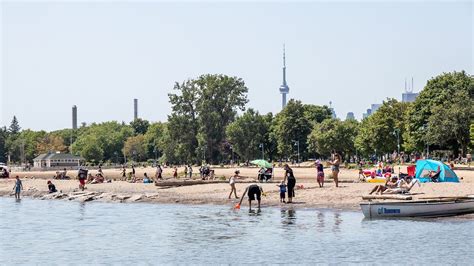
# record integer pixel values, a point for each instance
(284, 89)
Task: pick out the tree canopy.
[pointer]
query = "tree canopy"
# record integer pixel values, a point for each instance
(438, 96)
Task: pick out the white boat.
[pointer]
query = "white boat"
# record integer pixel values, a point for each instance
(418, 208)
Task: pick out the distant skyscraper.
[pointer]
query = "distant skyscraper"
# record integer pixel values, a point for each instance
(409, 96)
(333, 113)
(74, 117)
(284, 89)
(135, 109)
(350, 116)
(374, 107)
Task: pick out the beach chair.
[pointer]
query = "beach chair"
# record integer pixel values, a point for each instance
(411, 170)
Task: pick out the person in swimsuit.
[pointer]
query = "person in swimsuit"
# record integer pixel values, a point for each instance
(320, 173)
(18, 187)
(290, 182)
(335, 168)
(390, 184)
(51, 187)
(232, 184)
(253, 191)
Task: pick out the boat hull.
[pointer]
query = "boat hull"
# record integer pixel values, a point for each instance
(417, 208)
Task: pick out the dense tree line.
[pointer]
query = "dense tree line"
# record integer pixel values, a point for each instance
(204, 126)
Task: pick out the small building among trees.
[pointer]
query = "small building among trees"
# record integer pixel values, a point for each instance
(53, 160)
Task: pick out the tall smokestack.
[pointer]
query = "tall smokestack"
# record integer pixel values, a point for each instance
(135, 109)
(74, 117)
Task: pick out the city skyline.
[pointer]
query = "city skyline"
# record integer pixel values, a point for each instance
(351, 54)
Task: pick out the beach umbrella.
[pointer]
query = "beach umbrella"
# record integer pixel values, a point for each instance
(262, 163)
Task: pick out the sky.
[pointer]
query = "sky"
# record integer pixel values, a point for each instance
(100, 56)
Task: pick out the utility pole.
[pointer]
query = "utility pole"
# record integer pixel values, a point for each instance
(263, 154)
(297, 143)
(397, 132)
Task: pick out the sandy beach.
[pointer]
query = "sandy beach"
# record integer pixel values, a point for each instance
(347, 196)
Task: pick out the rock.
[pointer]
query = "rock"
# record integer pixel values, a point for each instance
(86, 198)
(136, 198)
(121, 197)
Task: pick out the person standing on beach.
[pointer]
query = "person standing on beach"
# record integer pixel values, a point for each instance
(190, 171)
(175, 172)
(335, 167)
(133, 171)
(282, 187)
(185, 171)
(232, 183)
(254, 192)
(18, 187)
(124, 173)
(320, 173)
(159, 172)
(290, 181)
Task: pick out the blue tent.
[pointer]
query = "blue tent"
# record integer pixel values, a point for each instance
(425, 167)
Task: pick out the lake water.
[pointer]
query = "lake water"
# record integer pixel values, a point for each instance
(60, 232)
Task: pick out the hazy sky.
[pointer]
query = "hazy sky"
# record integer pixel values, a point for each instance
(99, 56)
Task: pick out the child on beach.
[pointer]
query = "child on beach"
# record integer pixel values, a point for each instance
(320, 173)
(18, 187)
(282, 187)
(232, 184)
(175, 172)
(51, 187)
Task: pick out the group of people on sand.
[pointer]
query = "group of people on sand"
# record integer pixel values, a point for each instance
(396, 185)
(287, 185)
(254, 191)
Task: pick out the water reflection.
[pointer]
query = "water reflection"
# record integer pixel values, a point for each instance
(255, 212)
(337, 222)
(321, 220)
(112, 234)
(288, 216)
(82, 211)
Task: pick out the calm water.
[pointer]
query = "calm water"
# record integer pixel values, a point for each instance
(59, 232)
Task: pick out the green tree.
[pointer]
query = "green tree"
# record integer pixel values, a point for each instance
(334, 134)
(91, 150)
(12, 145)
(471, 136)
(438, 93)
(290, 127)
(3, 148)
(14, 127)
(448, 125)
(201, 110)
(155, 140)
(246, 133)
(135, 148)
(316, 113)
(378, 132)
(109, 136)
(183, 127)
(140, 126)
(220, 98)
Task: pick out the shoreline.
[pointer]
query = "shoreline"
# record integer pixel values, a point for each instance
(154, 198)
(346, 197)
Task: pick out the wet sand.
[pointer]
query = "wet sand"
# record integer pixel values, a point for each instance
(346, 196)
